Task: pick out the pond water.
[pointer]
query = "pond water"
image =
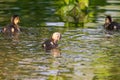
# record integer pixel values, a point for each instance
(87, 53)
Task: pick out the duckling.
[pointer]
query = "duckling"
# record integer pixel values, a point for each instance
(111, 25)
(52, 42)
(12, 28)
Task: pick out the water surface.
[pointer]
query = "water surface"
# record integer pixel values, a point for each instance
(87, 53)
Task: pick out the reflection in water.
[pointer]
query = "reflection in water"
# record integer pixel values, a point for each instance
(56, 52)
(54, 23)
(14, 37)
(82, 51)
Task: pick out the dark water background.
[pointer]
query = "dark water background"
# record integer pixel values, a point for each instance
(86, 52)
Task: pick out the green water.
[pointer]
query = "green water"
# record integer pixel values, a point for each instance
(86, 51)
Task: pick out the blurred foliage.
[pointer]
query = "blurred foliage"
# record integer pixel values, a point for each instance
(74, 10)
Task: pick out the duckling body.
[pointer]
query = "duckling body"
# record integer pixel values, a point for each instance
(111, 25)
(52, 43)
(49, 44)
(56, 52)
(11, 29)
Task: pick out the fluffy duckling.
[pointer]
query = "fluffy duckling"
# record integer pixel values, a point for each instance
(111, 25)
(52, 42)
(13, 27)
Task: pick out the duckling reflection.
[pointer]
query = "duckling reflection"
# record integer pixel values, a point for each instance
(56, 52)
(52, 42)
(11, 31)
(110, 24)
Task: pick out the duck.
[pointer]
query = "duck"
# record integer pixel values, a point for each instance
(12, 28)
(110, 24)
(52, 42)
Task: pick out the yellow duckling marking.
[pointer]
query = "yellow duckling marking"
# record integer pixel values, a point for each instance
(12, 30)
(51, 43)
(44, 45)
(115, 27)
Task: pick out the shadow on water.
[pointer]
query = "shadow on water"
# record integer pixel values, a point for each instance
(85, 53)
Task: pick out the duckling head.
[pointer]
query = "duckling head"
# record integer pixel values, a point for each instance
(56, 37)
(15, 19)
(108, 19)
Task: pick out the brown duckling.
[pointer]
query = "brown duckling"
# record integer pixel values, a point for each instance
(12, 28)
(111, 25)
(52, 42)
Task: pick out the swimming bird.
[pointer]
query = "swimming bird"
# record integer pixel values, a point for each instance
(52, 42)
(110, 24)
(12, 28)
